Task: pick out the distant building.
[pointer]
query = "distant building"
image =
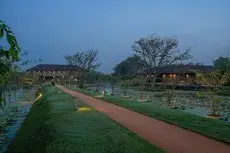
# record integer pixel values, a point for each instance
(53, 72)
(66, 74)
(184, 73)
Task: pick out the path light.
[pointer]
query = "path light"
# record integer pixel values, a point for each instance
(84, 109)
(187, 75)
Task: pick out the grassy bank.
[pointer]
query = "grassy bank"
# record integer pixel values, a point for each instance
(58, 123)
(216, 129)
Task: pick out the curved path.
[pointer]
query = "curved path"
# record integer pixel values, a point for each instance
(170, 138)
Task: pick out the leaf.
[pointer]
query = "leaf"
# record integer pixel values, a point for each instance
(1, 32)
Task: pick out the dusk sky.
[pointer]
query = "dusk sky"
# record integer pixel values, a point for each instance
(51, 29)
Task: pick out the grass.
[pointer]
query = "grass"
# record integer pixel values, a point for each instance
(58, 123)
(216, 129)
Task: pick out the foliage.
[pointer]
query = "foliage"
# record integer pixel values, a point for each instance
(213, 81)
(112, 80)
(216, 129)
(99, 78)
(7, 57)
(83, 62)
(158, 51)
(224, 90)
(125, 83)
(129, 67)
(13, 51)
(55, 125)
(222, 64)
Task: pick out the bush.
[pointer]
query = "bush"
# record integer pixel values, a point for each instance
(224, 91)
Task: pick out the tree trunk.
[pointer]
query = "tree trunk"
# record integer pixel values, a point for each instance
(97, 87)
(125, 91)
(142, 89)
(112, 88)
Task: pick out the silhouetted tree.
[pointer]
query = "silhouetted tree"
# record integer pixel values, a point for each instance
(83, 62)
(158, 51)
(129, 67)
(222, 64)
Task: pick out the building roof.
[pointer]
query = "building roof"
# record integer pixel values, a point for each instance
(185, 69)
(51, 67)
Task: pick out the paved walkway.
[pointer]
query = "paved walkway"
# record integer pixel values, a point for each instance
(163, 135)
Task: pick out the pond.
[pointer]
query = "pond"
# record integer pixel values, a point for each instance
(18, 106)
(187, 101)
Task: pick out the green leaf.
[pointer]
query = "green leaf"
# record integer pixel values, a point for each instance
(1, 32)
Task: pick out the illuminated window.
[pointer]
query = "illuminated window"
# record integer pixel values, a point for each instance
(164, 75)
(187, 75)
(170, 75)
(174, 75)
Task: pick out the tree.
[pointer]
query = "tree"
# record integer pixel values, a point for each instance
(112, 79)
(13, 51)
(95, 77)
(222, 64)
(83, 62)
(7, 57)
(174, 81)
(129, 67)
(99, 77)
(158, 51)
(213, 81)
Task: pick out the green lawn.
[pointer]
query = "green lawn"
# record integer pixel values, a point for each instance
(55, 125)
(216, 129)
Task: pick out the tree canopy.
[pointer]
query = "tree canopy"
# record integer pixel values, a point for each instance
(83, 63)
(84, 60)
(159, 51)
(222, 64)
(129, 67)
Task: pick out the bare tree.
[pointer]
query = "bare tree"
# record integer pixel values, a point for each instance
(83, 62)
(214, 82)
(157, 52)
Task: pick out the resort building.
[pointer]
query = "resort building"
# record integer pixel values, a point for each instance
(65, 74)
